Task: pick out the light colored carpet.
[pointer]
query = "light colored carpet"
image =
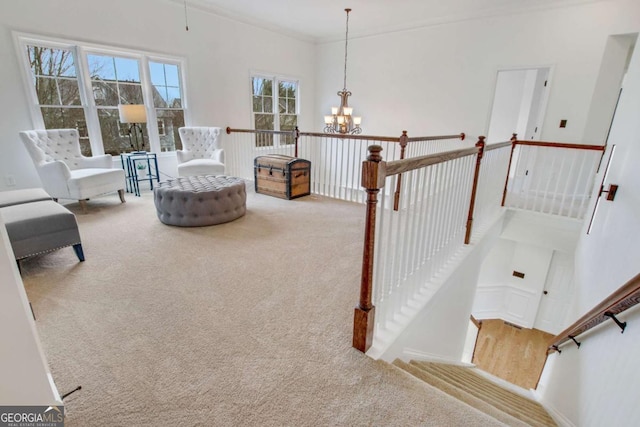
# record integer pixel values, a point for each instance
(478, 391)
(242, 324)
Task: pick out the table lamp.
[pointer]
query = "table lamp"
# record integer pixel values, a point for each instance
(134, 114)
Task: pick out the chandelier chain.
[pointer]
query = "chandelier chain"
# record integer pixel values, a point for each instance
(346, 45)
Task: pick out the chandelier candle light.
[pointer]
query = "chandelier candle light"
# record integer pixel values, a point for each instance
(341, 119)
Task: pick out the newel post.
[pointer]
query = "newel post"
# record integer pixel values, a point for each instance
(373, 176)
(514, 141)
(474, 189)
(404, 140)
(296, 134)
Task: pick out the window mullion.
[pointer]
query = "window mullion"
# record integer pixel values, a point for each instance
(147, 97)
(88, 103)
(276, 112)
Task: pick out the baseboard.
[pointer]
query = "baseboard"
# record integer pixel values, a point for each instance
(557, 416)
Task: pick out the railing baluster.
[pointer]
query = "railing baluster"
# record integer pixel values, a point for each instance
(566, 184)
(429, 227)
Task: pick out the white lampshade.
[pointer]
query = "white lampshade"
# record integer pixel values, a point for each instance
(135, 113)
(328, 120)
(340, 120)
(357, 121)
(334, 110)
(347, 111)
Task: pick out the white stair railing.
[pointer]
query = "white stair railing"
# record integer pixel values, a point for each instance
(489, 189)
(418, 240)
(430, 204)
(336, 160)
(552, 178)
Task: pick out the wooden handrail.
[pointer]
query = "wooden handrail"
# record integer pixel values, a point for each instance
(348, 136)
(271, 132)
(624, 298)
(406, 165)
(497, 146)
(561, 145)
(460, 136)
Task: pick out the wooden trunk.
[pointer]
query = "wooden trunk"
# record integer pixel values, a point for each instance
(282, 176)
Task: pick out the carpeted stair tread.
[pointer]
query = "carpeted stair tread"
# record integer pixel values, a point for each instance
(471, 378)
(484, 385)
(506, 405)
(513, 403)
(459, 394)
(483, 388)
(464, 380)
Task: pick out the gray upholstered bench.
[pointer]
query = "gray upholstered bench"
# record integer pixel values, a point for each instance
(195, 201)
(36, 224)
(17, 197)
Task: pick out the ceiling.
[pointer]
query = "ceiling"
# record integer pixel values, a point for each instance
(324, 20)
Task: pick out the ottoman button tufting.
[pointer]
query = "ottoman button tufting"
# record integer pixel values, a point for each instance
(209, 192)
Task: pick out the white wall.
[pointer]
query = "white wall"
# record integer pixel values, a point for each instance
(605, 95)
(598, 384)
(508, 101)
(526, 244)
(441, 79)
(439, 330)
(220, 55)
(26, 379)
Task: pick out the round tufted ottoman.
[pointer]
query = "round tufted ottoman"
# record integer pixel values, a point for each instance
(195, 201)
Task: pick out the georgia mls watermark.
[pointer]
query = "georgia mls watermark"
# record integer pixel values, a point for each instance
(31, 416)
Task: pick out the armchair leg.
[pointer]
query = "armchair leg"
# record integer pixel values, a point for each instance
(121, 194)
(78, 250)
(83, 205)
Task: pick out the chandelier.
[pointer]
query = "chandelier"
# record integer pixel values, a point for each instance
(341, 119)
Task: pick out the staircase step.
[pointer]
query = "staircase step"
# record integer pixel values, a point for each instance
(483, 388)
(463, 381)
(459, 394)
(470, 380)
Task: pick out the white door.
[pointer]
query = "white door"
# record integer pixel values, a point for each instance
(529, 269)
(557, 294)
(518, 104)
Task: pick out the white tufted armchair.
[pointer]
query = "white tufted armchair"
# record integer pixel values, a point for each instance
(201, 153)
(67, 174)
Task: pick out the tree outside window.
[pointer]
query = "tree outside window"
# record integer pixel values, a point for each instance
(64, 99)
(274, 111)
(55, 78)
(114, 81)
(167, 100)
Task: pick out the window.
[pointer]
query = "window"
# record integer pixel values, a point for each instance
(57, 92)
(114, 80)
(274, 110)
(167, 101)
(80, 86)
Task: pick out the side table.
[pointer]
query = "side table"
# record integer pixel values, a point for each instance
(131, 163)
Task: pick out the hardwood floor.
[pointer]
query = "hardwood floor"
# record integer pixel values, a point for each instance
(512, 353)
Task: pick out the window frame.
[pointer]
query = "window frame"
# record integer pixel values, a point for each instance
(275, 80)
(80, 49)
